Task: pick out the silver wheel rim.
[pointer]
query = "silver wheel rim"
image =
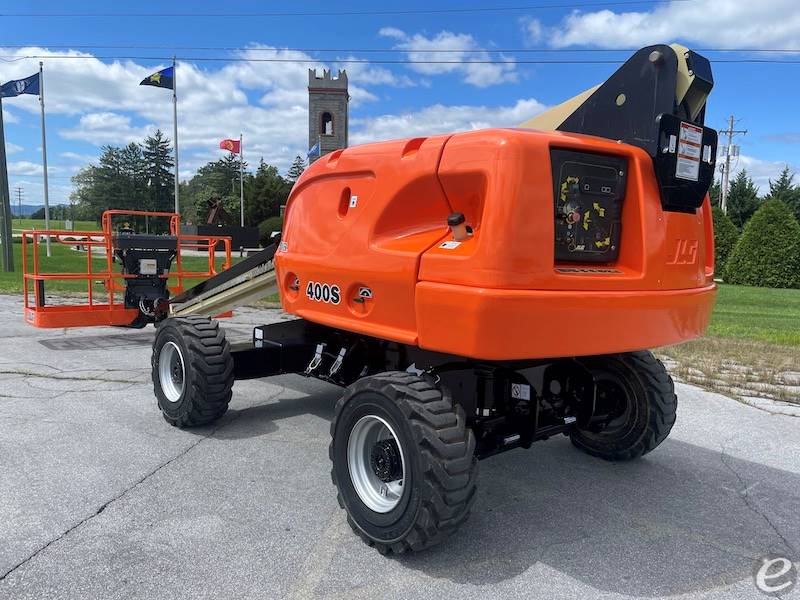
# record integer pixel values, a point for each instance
(171, 371)
(377, 495)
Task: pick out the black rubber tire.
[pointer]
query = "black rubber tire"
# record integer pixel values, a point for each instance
(653, 407)
(208, 371)
(440, 478)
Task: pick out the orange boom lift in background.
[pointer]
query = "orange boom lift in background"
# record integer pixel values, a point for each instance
(129, 297)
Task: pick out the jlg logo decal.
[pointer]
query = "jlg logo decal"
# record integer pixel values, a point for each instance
(685, 252)
(322, 292)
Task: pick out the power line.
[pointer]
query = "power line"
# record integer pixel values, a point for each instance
(341, 13)
(507, 61)
(384, 50)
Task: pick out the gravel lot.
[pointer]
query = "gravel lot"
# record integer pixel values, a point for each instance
(100, 498)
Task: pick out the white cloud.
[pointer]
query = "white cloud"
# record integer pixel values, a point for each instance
(467, 57)
(442, 119)
(393, 32)
(721, 23)
(76, 157)
(534, 30)
(33, 190)
(376, 75)
(760, 171)
(13, 148)
(213, 103)
(106, 128)
(9, 117)
(24, 167)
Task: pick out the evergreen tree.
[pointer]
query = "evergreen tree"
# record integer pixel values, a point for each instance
(133, 177)
(725, 237)
(105, 185)
(123, 179)
(297, 168)
(715, 193)
(786, 191)
(268, 192)
(742, 199)
(768, 252)
(215, 180)
(160, 179)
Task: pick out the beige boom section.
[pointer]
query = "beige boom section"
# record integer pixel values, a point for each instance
(221, 294)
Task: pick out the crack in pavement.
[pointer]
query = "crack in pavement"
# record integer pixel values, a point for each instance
(115, 498)
(744, 495)
(64, 377)
(79, 390)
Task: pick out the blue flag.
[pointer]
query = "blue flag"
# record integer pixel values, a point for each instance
(29, 85)
(165, 78)
(315, 149)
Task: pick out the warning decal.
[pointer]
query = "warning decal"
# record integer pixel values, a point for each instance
(690, 142)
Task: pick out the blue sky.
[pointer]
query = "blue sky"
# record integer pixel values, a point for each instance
(95, 100)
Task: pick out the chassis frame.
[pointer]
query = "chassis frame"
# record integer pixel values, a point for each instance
(508, 404)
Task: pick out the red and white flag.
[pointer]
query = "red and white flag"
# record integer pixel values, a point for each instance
(231, 146)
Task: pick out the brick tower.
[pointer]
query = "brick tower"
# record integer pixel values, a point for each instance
(327, 111)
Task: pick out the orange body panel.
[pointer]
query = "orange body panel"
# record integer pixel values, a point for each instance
(500, 294)
(80, 315)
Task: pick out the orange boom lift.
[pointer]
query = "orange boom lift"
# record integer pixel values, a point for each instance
(476, 292)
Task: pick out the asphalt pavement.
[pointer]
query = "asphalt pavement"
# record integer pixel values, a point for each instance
(101, 498)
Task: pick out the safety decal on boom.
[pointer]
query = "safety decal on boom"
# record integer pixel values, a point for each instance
(323, 292)
(689, 144)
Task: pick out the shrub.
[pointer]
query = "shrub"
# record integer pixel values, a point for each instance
(725, 236)
(768, 251)
(266, 227)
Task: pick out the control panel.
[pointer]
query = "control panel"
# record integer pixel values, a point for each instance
(588, 190)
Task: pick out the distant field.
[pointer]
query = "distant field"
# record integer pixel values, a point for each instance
(66, 260)
(19, 225)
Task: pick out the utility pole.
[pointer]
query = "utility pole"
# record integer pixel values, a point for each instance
(5, 202)
(730, 150)
(19, 192)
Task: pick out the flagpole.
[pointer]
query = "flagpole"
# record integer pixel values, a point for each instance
(175, 129)
(44, 160)
(8, 248)
(241, 178)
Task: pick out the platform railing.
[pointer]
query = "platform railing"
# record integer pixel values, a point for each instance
(92, 242)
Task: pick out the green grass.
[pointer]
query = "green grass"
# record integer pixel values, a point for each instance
(18, 225)
(753, 313)
(66, 260)
(751, 347)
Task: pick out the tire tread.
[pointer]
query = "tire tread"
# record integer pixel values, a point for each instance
(212, 365)
(447, 453)
(662, 403)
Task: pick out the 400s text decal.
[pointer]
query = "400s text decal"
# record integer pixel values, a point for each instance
(323, 292)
